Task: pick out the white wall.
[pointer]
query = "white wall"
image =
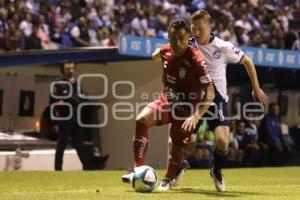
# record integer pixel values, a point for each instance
(39, 160)
(117, 135)
(12, 84)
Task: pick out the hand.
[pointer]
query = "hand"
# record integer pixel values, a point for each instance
(260, 96)
(190, 123)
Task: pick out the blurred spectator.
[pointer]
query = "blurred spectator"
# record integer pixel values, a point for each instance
(43, 34)
(271, 134)
(12, 39)
(247, 140)
(80, 34)
(235, 154)
(26, 26)
(26, 30)
(139, 24)
(296, 44)
(197, 5)
(3, 24)
(63, 12)
(92, 31)
(271, 128)
(288, 141)
(253, 136)
(199, 152)
(251, 127)
(244, 24)
(32, 6)
(295, 134)
(43, 26)
(33, 41)
(223, 33)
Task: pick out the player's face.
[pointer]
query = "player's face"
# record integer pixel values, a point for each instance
(179, 41)
(201, 30)
(69, 70)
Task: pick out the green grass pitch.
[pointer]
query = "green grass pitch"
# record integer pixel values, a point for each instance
(256, 183)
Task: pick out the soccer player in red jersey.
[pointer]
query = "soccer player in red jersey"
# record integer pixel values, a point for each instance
(186, 96)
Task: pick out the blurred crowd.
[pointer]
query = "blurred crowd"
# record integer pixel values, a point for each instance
(268, 142)
(58, 24)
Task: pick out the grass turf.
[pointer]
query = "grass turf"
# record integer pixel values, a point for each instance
(256, 183)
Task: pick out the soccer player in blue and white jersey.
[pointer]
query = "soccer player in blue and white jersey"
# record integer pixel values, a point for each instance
(218, 53)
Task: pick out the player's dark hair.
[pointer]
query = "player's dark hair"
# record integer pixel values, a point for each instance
(201, 14)
(177, 24)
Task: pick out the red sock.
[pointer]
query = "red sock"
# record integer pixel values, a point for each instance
(175, 158)
(140, 143)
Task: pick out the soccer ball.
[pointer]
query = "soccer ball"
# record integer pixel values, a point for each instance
(144, 179)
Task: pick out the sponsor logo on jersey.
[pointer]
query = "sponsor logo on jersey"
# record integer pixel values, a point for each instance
(182, 72)
(217, 54)
(236, 50)
(165, 64)
(186, 140)
(171, 79)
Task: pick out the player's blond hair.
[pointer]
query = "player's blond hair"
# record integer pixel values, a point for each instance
(202, 15)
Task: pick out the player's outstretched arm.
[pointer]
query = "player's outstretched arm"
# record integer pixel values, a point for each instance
(191, 122)
(257, 91)
(156, 55)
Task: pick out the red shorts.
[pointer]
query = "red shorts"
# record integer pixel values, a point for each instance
(165, 115)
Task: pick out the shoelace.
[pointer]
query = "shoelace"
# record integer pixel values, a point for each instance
(165, 182)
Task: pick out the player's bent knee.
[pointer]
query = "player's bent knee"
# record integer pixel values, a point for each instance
(146, 113)
(222, 137)
(147, 121)
(222, 144)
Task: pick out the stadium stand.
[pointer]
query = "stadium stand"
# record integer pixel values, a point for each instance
(58, 24)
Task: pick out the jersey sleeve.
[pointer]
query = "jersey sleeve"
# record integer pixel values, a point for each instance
(201, 65)
(233, 53)
(164, 48)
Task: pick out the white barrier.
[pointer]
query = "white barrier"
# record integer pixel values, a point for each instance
(38, 160)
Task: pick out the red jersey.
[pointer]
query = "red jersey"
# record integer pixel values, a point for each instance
(185, 74)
